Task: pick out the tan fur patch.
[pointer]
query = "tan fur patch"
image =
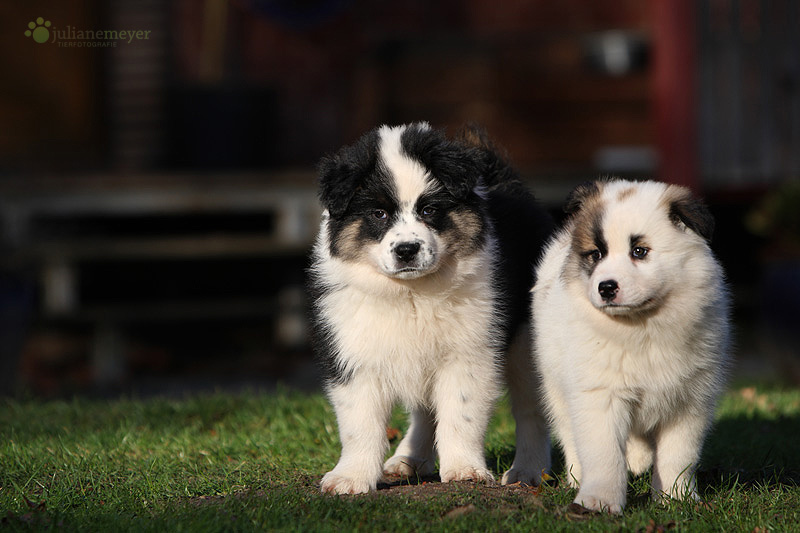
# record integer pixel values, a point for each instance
(463, 237)
(625, 193)
(348, 245)
(586, 222)
(674, 193)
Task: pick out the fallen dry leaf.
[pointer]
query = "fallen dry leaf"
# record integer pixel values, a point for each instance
(460, 511)
(576, 511)
(748, 393)
(652, 527)
(704, 506)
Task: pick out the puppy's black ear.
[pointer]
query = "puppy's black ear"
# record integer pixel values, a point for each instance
(337, 185)
(458, 169)
(454, 164)
(579, 195)
(341, 174)
(686, 210)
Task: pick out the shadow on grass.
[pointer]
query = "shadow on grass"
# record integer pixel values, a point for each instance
(402, 481)
(500, 460)
(752, 450)
(745, 451)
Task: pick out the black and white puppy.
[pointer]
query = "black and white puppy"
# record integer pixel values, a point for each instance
(421, 276)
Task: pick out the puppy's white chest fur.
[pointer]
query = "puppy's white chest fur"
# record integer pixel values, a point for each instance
(404, 339)
(652, 378)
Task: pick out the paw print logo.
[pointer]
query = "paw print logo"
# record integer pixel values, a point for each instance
(38, 30)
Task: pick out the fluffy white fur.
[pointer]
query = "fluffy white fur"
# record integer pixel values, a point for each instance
(631, 382)
(425, 339)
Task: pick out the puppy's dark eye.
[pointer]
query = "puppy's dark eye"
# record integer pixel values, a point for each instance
(639, 252)
(428, 211)
(594, 255)
(380, 214)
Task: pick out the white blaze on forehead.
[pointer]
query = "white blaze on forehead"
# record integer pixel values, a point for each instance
(631, 209)
(410, 178)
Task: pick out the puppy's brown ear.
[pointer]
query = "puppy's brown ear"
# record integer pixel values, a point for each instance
(578, 197)
(689, 211)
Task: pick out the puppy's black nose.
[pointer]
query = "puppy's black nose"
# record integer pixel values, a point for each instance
(608, 289)
(406, 251)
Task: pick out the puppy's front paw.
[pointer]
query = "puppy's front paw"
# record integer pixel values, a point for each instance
(342, 483)
(402, 465)
(467, 473)
(599, 503)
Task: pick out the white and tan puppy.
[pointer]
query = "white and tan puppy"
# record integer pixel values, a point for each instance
(631, 337)
(421, 276)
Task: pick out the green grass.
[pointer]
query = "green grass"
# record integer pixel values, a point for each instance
(252, 462)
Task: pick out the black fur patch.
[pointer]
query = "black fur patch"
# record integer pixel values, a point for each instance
(343, 173)
(453, 164)
(354, 186)
(373, 199)
(521, 226)
(322, 335)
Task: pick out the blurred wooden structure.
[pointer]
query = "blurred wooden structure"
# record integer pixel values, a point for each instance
(134, 178)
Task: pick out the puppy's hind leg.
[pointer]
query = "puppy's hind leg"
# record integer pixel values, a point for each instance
(562, 427)
(532, 456)
(638, 454)
(415, 454)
